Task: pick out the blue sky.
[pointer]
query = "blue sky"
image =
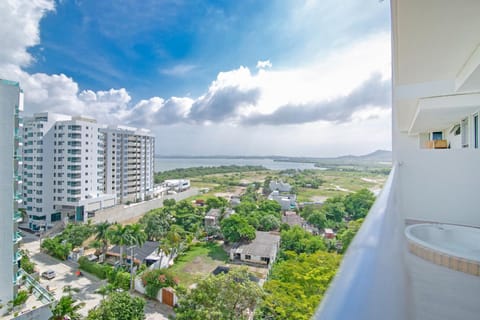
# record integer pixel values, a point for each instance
(250, 69)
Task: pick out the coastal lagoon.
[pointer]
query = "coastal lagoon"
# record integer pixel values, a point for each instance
(165, 164)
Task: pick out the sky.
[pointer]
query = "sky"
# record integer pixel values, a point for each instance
(210, 77)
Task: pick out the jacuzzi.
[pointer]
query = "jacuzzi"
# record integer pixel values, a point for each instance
(451, 246)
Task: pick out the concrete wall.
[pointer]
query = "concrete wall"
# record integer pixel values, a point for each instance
(440, 185)
(122, 212)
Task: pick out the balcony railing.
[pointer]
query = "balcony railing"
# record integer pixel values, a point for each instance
(16, 257)
(17, 236)
(17, 216)
(371, 281)
(43, 294)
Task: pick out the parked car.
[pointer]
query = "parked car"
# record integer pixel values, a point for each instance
(49, 274)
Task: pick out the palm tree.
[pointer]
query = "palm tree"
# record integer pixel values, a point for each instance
(118, 236)
(101, 231)
(66, 307)
(164, 250)
(173, 240)
(136, 234)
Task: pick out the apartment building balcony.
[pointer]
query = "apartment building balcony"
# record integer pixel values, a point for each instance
(379, 277)
(17, 236)
(75, 128)
(75, 136)
(16, 257)
(17, 216)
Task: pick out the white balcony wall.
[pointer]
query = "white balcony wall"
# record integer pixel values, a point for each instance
(372, 280)
(440, 185)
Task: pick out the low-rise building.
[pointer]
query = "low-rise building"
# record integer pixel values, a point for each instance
(177, 185)
(212, 218)
(286, 201)
(262, 250)
(280, 186)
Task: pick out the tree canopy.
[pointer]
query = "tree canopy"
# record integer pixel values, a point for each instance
(359, 203)
(300, 241)
(297, 285)
(119, 306)
(236, 228)
(227, 296)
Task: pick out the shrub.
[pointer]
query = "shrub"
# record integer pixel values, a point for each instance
(20, 299)
(154, 280)
(122, 280)
(118, 278)
(99, 270)
(56, 248)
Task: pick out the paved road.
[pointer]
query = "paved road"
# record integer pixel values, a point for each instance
(65, 276)
(86, 285)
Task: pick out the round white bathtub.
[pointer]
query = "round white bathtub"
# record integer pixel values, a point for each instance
(455, 247)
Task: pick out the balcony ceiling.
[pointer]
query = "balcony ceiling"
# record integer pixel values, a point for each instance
(436, 52)
(438, 113)
(434, 41)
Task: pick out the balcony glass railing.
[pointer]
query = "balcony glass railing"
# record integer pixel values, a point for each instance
(371, 281)
(17, 196)
(16, 257)
(17, 236)
(38, 290)
(17, 216)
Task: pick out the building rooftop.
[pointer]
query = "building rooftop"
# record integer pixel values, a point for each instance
(293, 219)
(140, 252)
(264, 245)
(214, 213)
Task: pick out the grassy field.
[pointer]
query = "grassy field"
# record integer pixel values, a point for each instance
(200, 260)
(336, 182)
(341, 183)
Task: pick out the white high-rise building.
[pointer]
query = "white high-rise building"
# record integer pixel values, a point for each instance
(11, 104)
(63, 172)
(129, 162)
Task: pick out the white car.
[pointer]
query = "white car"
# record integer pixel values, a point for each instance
(49, 274)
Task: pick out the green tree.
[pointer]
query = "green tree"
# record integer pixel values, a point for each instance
(334, 208)
(270, 206)
(216, 203)
(101, 234)
(119, 306)
(347, 236)
(118, 236)
(359, 203)
(317, 219)
(269, 222)
(26, 264)
(236, 228)
(296, 286)
(227, 296)
(156, 223)
(168, 203)
(135, 235)
(67, 306)
(300, 241)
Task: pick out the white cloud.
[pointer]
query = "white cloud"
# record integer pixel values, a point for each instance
(264, 64)
(178, 70)
(234, 96)
(20, 29)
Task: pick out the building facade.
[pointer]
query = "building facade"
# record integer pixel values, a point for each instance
(129, 163)
(11, 104)
(64, 167)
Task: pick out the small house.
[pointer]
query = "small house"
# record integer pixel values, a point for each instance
(262, 250)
